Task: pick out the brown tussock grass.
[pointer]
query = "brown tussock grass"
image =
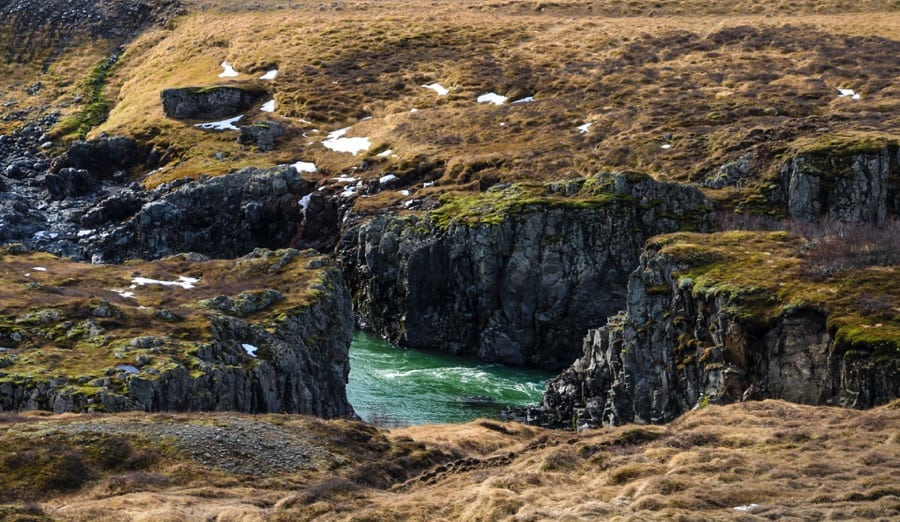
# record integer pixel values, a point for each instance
(715, 81)
(793, 461)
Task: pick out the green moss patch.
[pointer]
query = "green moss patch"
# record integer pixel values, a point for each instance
(764, 277)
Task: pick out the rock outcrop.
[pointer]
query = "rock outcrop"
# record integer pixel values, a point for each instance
(208, 103)
(853, 187)
(225, 216)
(674, 349)
(274, 353)
(522, 291)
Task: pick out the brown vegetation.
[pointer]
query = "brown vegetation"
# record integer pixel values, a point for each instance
(714, 81)
(772, 459)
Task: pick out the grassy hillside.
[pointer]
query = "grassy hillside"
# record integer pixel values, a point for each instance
(674, 89)
(757, 460)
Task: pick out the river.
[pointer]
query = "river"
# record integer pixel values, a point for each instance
(394, 386)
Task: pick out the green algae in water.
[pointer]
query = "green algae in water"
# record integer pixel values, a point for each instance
(414, 387)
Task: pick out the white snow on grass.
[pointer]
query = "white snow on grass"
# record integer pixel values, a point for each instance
(39, 268)
(385, 153)
(127, 368)
(492, 97)
(338, 143)
(527, 99)
(123, 293)
(345, 179)
(349, 191)
(666, 146)
(403, 192)
(269, 106)
(387, 179)
(183, 281)
(270, 75)
(304, 166)
(250, 349)
(220, 125)
(229, 71)
(584, 128)
(85, 232)
(428, 184)
(748, 507)
(438, 88)
(848, 92)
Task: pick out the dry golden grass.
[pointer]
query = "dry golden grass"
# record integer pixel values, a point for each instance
(786, 460)
(716, 81)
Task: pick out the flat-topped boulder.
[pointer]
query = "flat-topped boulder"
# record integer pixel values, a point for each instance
(268, 332)
(208, 103)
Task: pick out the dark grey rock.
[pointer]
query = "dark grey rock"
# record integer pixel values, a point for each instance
(670, 352)
(69, 182)
(852, 188)
(520, 292)
(263, 134)
(207, 103)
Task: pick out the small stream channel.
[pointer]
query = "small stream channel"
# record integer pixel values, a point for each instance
(394, 386)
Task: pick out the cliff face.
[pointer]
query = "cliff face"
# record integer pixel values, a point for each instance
(677, 347)
(226, 216)
(260, 350)
(523, 290)
(854, 188)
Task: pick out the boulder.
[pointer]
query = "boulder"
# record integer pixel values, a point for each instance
(208, 103)
(262, 134)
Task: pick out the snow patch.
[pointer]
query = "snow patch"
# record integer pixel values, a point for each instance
(250, 349)
(183, 281)
(345, 179)
(438, 88)
(748, 507)
(123, 293)
(220, 125)
(527, 99)
(39, 269)
(44, 234)
(269, 106)
(492, 97)
(338, 143)
(304, 166)
(386, 179)
(666, 146)
(304, 204)
(428, 184)
(270, 75)
(403, 192)
(385, 153)
(848, 92)
(229, 71)
(584, 128)
(85, 232)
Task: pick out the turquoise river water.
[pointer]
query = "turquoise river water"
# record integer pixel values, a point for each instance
(398, 387)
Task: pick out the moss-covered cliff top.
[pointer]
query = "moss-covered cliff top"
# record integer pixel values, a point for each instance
(673, 89)
(854, 281)
(78, 323)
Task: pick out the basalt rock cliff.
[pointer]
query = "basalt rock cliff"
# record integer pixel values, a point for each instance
(678, 346)
(258, 350)
(520, 291)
